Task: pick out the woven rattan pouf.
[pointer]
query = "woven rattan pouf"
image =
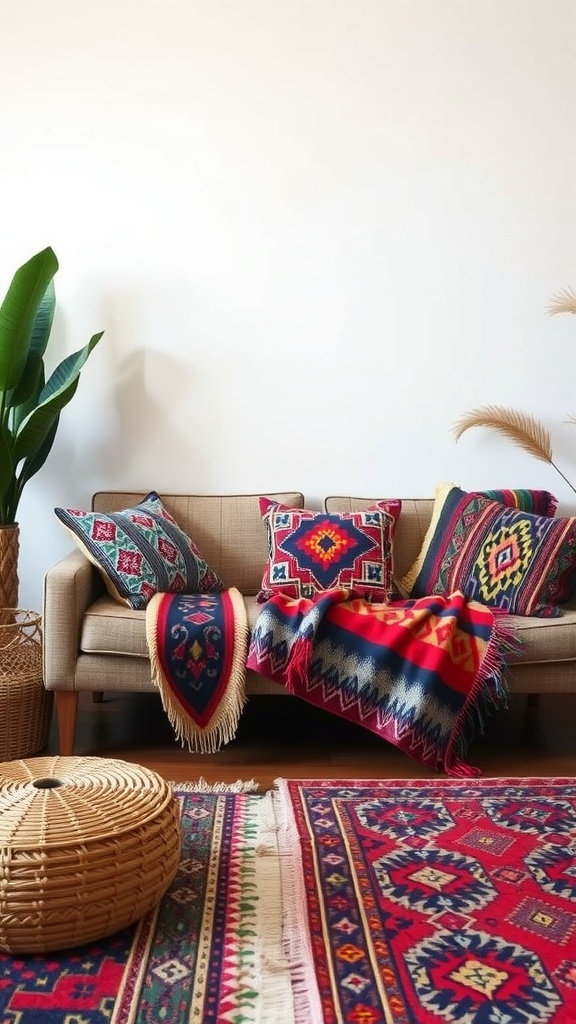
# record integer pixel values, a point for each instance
(88, 845)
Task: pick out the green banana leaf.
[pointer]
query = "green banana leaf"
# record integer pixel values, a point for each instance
(30, 407)
(55, 395)
(18, 314)
(26, 393)
(34, 462)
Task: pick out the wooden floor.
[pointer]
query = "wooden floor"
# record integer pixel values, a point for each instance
(284, 737)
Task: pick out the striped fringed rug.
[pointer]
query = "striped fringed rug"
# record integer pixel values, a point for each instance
(211, 952)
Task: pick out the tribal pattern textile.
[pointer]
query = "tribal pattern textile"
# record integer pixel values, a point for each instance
(211, 952)
(197, 645)
(439, 901)
(309, 552)
(419, 673)
(140, 551)
(506, 558)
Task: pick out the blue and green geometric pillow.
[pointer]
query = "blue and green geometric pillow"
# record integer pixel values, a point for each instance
(502, 556)
(310, 552)
(140, 551)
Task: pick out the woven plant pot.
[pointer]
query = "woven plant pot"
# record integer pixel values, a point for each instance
(88, 845)
(9, 551)
(25, 705)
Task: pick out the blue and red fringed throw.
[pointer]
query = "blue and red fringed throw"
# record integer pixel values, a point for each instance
(419, 673)
(197, 645)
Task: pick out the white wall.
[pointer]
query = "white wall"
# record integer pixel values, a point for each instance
(315, 233)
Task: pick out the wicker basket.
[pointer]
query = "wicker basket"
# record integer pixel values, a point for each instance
(25, 705)
(88, 845)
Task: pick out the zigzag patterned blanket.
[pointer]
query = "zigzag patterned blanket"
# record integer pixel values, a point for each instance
(419, 673)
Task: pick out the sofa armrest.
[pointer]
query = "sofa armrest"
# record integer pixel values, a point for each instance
(70, 587)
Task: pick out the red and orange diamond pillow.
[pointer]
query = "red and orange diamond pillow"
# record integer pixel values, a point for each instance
(311, 552)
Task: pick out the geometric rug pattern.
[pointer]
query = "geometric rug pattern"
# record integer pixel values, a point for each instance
(425, 901)
(209, 953)
(432, 901)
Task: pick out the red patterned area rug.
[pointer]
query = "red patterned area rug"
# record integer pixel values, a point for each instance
(211, 952)
(441, 901)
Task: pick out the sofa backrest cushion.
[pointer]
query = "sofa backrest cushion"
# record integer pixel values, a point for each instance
(227, 528)
(410, 529)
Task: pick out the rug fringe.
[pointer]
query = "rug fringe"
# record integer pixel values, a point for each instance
(202, 786)
(297, 941)
(276, 987)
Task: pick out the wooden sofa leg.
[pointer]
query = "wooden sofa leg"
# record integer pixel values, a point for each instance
(97, 696)
(66, 714)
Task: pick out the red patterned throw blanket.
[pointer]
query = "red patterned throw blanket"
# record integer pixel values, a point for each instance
(197, 645)
(419, 673)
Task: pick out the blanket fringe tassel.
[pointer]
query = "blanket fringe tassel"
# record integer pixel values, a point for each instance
(298, 663)
(301, 650)
(492, 692)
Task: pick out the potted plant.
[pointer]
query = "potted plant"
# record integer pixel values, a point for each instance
(519, 427)
(30, 405)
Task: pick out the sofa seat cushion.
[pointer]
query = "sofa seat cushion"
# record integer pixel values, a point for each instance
(546, 640)
(111, 628)
(108, 628)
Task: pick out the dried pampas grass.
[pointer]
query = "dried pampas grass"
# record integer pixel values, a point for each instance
(563, 301)
(519, 427)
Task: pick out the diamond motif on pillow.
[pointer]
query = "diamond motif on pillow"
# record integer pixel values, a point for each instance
(102, 530)
(167, 550)
(310, 552)
(326, 546)
(129, 563)
(505, 556)
(140, 551)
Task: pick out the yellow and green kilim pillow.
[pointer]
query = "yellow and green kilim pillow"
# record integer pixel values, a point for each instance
(504, 557)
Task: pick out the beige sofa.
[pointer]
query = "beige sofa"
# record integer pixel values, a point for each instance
(92, 643)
